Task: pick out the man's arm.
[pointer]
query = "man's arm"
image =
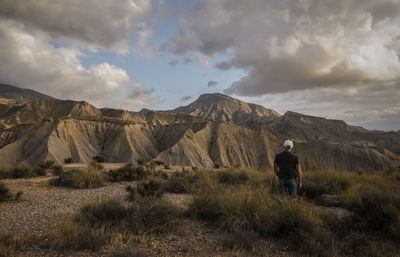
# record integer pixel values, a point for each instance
(276, 170)
(298, 171)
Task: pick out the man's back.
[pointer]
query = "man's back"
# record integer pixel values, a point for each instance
(287, 164)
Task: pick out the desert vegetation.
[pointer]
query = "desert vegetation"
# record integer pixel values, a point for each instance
(22, 170)
(337, 213)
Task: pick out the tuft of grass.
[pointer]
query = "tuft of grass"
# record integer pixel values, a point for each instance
(80, 178)
(103, 213)
(141, 161)
(96, 165)
(317, 183)
(77, 236)
(4, 192)
(128, 172)
(46, 164)
(233, 177)
(98, 158)
(68, 160)
(22, 170)
(150, 188)
(246, 210)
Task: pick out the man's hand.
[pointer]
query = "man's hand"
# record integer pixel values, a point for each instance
(300, 185)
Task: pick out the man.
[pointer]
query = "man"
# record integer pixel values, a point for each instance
(287, 168)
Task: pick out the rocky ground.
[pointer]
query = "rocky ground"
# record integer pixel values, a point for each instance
(41, 208)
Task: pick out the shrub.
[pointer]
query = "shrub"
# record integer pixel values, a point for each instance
(4, 192)
(102, 213)
(141, 161)
(151, 216)
(80, 178)
(375, 210)
(158, 162)
(151, 188)
(180, 183)
(46, 164)
(77, 236)
(5, 171)
(23, 170)
(167, 166)
(96, 165)
(317, 183)
(247, 210)
(68, 160)
(233, 177)
(98, 158)
(129, 172)
(58, 170)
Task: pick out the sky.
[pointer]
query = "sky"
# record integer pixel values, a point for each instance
(335, 59)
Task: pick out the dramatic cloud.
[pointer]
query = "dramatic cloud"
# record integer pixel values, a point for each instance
(375, 106)
(293, 45)
(185, 98)
(106, 24)
(212, 83)
(173, 62)
(31, 61)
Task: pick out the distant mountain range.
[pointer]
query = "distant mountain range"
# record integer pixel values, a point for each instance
(11, 92)
(214, 130)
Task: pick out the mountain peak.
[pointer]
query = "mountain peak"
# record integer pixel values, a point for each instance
(223, 108)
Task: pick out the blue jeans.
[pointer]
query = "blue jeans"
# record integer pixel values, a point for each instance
(289, 186)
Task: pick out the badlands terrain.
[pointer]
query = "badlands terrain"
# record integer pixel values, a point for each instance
(214, 131)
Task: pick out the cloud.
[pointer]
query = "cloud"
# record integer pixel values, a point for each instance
(212, 83)
(185, 98)
(173, 62)
(374, 106)
(31, 61)
(138, 98)
(187, 60)
(106, 24)
(295, 45)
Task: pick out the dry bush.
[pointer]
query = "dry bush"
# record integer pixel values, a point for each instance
(150, 188)
(98, 158)
(4, 192)
(77, 236)
(95, 226)
(245, 210)
(9, 244)
(128, 172)
(22, 170)
(80, 178)
(233, 177)
(317, 183)
(46, 164)
(129, 252)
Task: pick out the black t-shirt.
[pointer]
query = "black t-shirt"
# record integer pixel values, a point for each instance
(287, 164)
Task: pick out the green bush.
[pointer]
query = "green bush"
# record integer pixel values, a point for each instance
(128, 172)
(96, 165)
(80, 178)
(22, 170)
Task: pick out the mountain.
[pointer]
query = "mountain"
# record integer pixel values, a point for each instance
(222, 108)
(16, 93)
(214, 130)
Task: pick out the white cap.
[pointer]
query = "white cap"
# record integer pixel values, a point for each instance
(288, 144)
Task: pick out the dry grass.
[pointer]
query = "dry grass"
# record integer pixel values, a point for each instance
(80, 178)
(22, 170)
